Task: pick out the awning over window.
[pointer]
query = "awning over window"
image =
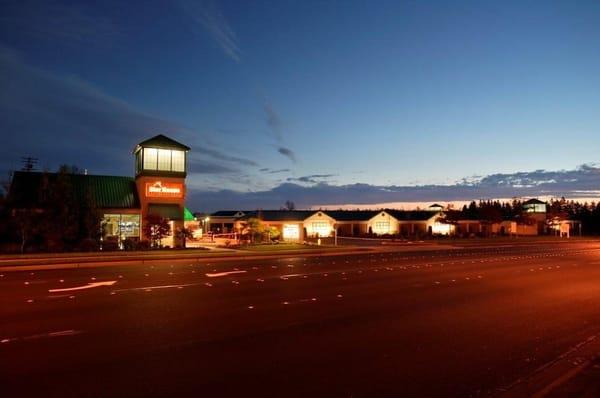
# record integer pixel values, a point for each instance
(170, 211)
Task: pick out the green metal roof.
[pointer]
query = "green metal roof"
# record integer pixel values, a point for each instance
(162, 141)
(187, 215)
(27, 189)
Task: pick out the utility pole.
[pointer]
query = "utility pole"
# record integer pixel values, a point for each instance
(28, 163)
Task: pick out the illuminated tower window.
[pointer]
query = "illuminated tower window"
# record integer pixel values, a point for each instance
(161, 156)
(150, 158)
(178, 160)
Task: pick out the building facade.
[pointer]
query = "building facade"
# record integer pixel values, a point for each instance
(125, 203)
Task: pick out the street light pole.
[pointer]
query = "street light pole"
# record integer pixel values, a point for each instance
(335, 234)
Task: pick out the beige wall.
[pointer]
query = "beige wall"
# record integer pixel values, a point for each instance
(523, 229)
(321, 219)
(383, 217)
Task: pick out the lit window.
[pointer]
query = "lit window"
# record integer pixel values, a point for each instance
(178, 158)
(321, 228)
(150, 158)
(291, 232)
(441, 229)
(122, 225)
(381, 227)
(164, 160)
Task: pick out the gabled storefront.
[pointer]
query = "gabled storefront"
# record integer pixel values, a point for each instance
(297, 225)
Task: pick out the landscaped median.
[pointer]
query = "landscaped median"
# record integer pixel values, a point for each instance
(50, 261)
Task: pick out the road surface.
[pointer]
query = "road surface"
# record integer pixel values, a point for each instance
(468, 322)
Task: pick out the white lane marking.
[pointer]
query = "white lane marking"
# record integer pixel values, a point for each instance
(70, 332)
(149, 288)
(88, 286)
(219, 274)
(289, 276)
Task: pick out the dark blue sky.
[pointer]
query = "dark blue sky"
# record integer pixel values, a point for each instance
(297, 98)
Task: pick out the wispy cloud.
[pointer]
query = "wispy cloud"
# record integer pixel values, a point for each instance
(287, 152)
(54, 21)
(271, 171)
(209, 17)
(274, 122)
(67, 120)
(312, 179)
(229, 158)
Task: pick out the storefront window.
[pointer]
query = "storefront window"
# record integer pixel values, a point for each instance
(321, 228)
(381, 227)
(122, 226)
(291, 232)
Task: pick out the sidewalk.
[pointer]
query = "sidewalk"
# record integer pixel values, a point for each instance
(49, 261)
(89, 260)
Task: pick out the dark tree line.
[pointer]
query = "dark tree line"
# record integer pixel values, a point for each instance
(587, 213)
(491, 211)
(59, 221)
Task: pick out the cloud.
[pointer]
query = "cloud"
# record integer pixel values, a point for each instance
(62, 119)
(274, 122)
(582, 183)
(221, 156)
(270, 171)
(287, 153)
(201, 166)
(208, 15)
(311, 179)
(60, 22)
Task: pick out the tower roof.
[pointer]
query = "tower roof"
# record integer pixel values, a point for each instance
(534, 201)
(162, 141)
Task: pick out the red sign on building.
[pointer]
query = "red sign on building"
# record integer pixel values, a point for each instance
(160, 189)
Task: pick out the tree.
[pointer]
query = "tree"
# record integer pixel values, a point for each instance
(90, 219)
(27, 225)
(273, 233)
(289, 205)
(155, 229)
(254, 229)
(60, 224)
(184, 234)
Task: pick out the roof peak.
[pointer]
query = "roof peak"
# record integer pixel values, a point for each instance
(162, 141)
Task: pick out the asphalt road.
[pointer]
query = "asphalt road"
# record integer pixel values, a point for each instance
(468, 322)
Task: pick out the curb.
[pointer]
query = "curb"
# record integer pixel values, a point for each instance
(112, 262)
(547, 378)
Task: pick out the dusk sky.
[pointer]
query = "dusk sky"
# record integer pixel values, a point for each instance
(316, 102)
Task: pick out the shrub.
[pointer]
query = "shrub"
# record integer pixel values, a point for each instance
(88, 245)
(110, 245)
(130, 244)
(143, 245)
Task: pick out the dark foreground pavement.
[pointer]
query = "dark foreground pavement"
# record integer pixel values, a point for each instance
(470, 322)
